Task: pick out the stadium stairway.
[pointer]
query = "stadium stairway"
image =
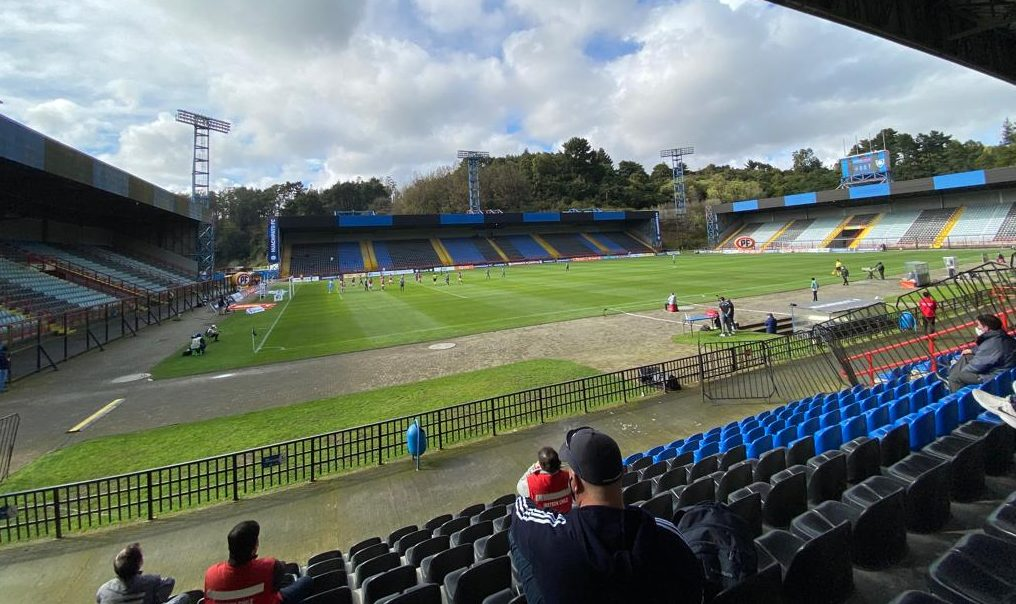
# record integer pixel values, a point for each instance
(546, 246)
(442, 252)
(948, 227)
(775, 236)
(791, 232)
(599, 246)
(865, 231)
(833, 234)
(497, 249)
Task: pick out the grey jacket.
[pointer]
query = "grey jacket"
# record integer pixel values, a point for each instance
(995, 351)
(142, 589)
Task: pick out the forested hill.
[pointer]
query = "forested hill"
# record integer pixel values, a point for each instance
(579, 176)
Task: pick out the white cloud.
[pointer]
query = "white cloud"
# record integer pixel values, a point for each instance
(323, 90)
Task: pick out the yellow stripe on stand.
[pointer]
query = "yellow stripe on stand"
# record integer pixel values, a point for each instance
(497, 248)
(731, 238)
(369, 261)
(832, 235)
(442, 252)
(598, 245)
(949, 226)
(543, 243)
(778, 233)
(864, 232)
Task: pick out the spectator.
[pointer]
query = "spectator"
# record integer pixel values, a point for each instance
(213, 332)
(994, 351)
(602, 550)
(132, 586)
(929, 308)
(247, 578)
(5, 367)
(814, 289)
(546, 484)
(881, 269)
(845, 272)
(196, 345)
(726, 317)
(770, 323)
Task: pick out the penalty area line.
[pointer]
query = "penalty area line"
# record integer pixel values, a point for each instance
(449, 293)
(274, 323)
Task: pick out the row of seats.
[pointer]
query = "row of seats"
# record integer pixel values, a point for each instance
(14, 274)
(103, 268)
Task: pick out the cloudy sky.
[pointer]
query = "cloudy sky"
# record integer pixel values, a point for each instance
(321, 90)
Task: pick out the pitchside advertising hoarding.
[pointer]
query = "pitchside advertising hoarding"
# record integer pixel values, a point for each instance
(273, 240)
(865, 165)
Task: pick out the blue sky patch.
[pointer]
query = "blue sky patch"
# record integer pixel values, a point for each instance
(604, 48)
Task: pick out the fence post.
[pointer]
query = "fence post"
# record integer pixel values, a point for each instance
(624, 387)
(313, 448)
(377, 446)
(148, 490)
(440, 431)
(56, 512)
(585, 398)
(493, 422)
(931, 353)
(541, 406)
(236, 492)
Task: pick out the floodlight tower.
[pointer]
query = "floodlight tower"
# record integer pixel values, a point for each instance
(203, 126)
(677, 171)
(473, 167)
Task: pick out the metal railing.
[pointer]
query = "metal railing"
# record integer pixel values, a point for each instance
(144, 495)
(8, 434)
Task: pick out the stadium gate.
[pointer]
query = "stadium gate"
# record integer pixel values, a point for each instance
(871, 342)
(8, 433)
(777, 369)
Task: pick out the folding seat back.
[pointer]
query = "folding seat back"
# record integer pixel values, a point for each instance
(898, 409)
(868, 404)
(641, 464)
(776, 426)
(664, 455)
(689, 446)
(730, 442)
(387, 583)
(506, 499)
(654, 451)
(660, 505)
(408, 541)
(850, 410)
(784, 437)
(754, 433)
(367, 553)
(852, 428)
(436, 567)
(338, 595)
(492, 513)
(477, 582)
(830, 407)
(356, 547)
(832, 418)
(813, 413)
(876, 418)
(640, 491)
(675, 443)
(817, 570)
(966, 458)
(432, 524)
(738, 476)
(426, 593)
(927, 482)
(712, 439)
(947, 417)
(787, 497)
(827, 476)
(416, 553)
(863, 458)
(706, 450)
(747, 504)
(471, 510)
(768, 421)
(969, 409)
(503, 523)
(400, 533)
(703, 467)
(701, 490)
(999, 442)
(894, 442)
(378, 564)
(733, 456)
(828, 439)
(673, 478)
(491, 546)
(922, 429)
(471, 533)
(800, 451)
(886, 396)
(769, 463)
(325, 566)
(846, 398)
(656, 469)
(901, 391)
(682, 459)
(808, 428)
(759, 446)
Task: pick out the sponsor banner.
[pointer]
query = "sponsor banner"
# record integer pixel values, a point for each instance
(584, 259)
(262, 306)
(744, 243)
(280, 295)
(254, 310)
(273, 240)
(305, 279)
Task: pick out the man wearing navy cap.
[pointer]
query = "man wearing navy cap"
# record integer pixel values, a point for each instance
(602, 550)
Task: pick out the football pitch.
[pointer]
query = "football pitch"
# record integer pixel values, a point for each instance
(315, 323)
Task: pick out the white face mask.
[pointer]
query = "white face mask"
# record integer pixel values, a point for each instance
(979, 330)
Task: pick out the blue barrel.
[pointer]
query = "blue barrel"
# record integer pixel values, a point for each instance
(416, 440)
(907, 321)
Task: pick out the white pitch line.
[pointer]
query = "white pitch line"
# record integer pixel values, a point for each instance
(775, 312)
(631, 314)
(274, 323)
(448, 292)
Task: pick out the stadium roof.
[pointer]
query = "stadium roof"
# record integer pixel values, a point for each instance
(973, 180)
(69, 181)
(979, 34)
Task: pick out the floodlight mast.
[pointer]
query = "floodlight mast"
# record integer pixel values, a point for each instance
(473, 169)
(203, 126)
(676, 156)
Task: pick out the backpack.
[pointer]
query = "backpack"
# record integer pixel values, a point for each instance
(723, 542)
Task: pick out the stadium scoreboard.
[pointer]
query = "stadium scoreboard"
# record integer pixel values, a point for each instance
(865, 166)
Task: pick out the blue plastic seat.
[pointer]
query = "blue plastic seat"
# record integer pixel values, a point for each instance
(916, 400)
(868, 404)
(759, 446)
(695, 437)
(827, 398)
(852, 428)
(898, 409)
(947, 416)
(729, 443)
(732, 425)
(751, 419)
(813, 413)
(754, 434)
(850, 410)
(715, 430)
(708, 449)
(675, 444)
(665, 454)
(922, 428)
(784, 437)
(828, 439)
(779, 424)
(901, 391)
(767, 421)
(876, 418)
(919, 383)
(712, 438)
(885, 397)
(936, 391)
(689, 445)
(830, 419)
(761, 416)
(635, 457)
(654, 451)
(847, 398)
(808, 428)
(830, 407)
(968, 407)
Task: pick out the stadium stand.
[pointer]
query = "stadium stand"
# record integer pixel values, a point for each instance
(326, 258)
(625, 242)
(405, 254)
(891, 228)
(792, 232)
(129, 277)
(980, 221)
(819, 230)
(470, 250)
(748, 230)
(571, 245)
(1007, 232)
(927, 226)
(162, 273)
(767, 231)
(35, 292)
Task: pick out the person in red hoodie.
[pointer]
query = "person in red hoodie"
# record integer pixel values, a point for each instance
(546, 483)
(928, 307)
(251, 580)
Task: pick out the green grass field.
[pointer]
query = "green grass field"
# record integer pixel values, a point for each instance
(161, 446)
(315, 323)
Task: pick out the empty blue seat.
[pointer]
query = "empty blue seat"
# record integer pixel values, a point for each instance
(654, 451)
(808, 428)
(827, 398)
(763, 415)
(919, 383)
(708, 449)
(901, 391)
(813, 413)
(728, 432)
(754, 434)
(694, 437)
(936, 391)
(847, 398)
(868, 404)
(876, 418)
(784, 437)
(779, 424)
(732, 425)
(765, 422)
(830, 419)
(665, 454)
(689, 445)
(729, 443)
(916, 400)
(675, 444)
(830, 407)
(947, 416)
(759, 446)
(885, 397)
(751, 419)
(712, 438)
(922, 428)
(850, 410)
(968, 407)
(852, 428)
(828, 439)
(898, 409)
(715, 430)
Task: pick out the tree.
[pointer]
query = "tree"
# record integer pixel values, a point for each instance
(805, 160)
(1008, 133)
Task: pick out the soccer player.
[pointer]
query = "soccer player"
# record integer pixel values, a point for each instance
(402, 283)
(460, 277)
(331, 286)
(447, 279)
(814, 289)
(488, 273)
(503, 271)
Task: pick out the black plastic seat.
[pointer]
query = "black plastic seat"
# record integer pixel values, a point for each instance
(332, 553)
(769, 463)
(640, 464)
(471, 510)
(432, 524)
(682, 459)
(827, 476)
(979, 568)
(875, 510)
(660, 505)
(640, 491)
(425, 593)
(506, 499)
(895, 445)
(361, 545)
(387, 583)
(927, 483)
(492, 513)
(917, 597)
(761, 588)
(471, 533)
(732, 456)
(325, 566)
(701, 490)
(703, 467)
(505, 596)
(491, 546)
(400, 533)
(999, 444)
(748, 505)
(339, 595)
(670, 479)
(502, 523)
(817, 570)
(329, 580)
(455, 524)
(371, 551)
(736, 477)
(437, 566)
(408, 541)
(629, 478)
(472, 585)
(378, 564)
(966, 457)
(864, 458)
(800, 451)
(416, 554)
(783, 497)
(654, 470)
(1001, 522)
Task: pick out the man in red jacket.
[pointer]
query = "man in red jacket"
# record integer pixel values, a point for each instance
(928, 307)
(247, 579)
(546, 483)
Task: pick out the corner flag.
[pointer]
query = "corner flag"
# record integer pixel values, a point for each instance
(253, 335)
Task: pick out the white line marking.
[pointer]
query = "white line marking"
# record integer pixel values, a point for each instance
(221, 376)
(274, 323)
(631, 314)
(96, 416)
(447, 292)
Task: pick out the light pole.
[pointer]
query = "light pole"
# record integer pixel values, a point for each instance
(793, 322)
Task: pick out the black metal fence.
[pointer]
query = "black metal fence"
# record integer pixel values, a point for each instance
(43, 342)
(8, 434)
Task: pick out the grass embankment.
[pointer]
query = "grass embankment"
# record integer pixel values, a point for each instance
(316, 323)
(694, 338)
(111, 455)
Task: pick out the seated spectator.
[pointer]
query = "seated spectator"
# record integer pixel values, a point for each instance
(602, 550)
(195, 347)
(212, 333)
(994, 352)
(770, 323)
(132, 586)
(546, 483)
(249, 579)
